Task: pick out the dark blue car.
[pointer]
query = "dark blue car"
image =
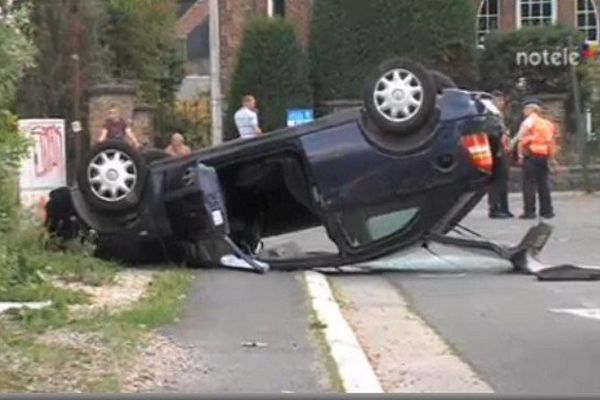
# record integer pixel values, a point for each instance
(400, 171)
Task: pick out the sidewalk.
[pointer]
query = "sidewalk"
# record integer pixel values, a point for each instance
(228, 311)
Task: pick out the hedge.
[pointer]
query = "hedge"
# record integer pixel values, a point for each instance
(349, 37)
(271, 66)
(500, 68)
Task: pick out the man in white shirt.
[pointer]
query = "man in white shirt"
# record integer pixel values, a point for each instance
(246, 119)
(530, 109)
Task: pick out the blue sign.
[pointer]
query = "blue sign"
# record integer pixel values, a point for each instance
(300, 116)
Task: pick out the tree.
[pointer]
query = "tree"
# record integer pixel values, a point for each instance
(141, 37)
(16, 53)
(59, 30)
(350, 37)
(271, 66)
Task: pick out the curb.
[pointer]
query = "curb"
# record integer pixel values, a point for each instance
(355, 371)
(558, 194)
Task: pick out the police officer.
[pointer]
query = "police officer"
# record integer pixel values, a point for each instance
(498, 191)
(537, 148)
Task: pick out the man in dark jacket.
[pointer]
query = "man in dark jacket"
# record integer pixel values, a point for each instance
(498, 191)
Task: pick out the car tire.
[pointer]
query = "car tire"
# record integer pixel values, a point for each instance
(442, 81)
(152, 155)
(399, 96)
(112, 177)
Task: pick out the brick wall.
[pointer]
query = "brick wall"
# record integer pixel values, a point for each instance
(566, 10)
(192, 18)
(233, 16)
(508, 18)
(300, 13)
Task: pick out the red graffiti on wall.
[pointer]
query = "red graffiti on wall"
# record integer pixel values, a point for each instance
(47, 149)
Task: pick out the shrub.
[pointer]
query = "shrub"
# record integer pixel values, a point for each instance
(499, 67)
(271, 66)
(192, 118)
(13, 147)
(349, 37)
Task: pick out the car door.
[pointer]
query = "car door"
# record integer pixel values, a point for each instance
(374, 201)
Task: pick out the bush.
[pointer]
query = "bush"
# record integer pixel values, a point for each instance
(350, 37)
(498, 62)
(272, 67)
(12, 148)
(192, 118)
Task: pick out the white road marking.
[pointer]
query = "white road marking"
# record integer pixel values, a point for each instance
(441, 276)
(355, 371)
(591, 313)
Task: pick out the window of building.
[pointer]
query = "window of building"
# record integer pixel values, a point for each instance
(276, 8)
(536, 12)
(587, 19)
(488, 18)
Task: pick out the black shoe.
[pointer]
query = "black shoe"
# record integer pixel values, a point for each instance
(527, 216)
(548, 215)
(500, 215)
(508, 214)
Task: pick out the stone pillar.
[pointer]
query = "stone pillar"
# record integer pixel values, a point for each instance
(143, 123)
(101, 98)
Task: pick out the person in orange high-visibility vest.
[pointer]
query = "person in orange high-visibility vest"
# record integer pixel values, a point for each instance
(537, 148)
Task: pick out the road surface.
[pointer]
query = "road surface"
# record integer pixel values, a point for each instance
(520, 335)
(484, 328)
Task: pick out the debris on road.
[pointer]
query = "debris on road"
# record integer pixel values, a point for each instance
(254, 344)
(6, 306)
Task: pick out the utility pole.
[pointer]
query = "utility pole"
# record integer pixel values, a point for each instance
(580, 128)
(215, 75)
(76, 128)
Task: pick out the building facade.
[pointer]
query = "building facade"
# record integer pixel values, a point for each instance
(492, 15)
(509, 15)
(193, 32)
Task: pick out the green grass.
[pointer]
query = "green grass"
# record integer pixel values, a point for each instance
(29, 261)
(30, 265)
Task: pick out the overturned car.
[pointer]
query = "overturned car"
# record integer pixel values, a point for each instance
(402, 170)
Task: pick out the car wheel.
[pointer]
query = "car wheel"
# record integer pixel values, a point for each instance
(112, 177)
(152, 155)
(399, 96)
(442, 81)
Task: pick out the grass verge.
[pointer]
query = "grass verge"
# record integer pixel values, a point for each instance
(93, 351)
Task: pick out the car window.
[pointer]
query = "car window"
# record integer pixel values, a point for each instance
(364, 227)
(381, 226)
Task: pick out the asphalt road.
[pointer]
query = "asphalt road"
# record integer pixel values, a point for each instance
(521, 335)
